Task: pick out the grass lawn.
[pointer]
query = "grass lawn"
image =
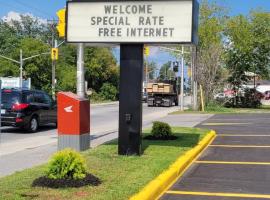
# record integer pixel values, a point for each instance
(224, 110)
(121, 176)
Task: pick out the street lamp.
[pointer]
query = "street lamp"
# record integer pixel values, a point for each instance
(21, 61)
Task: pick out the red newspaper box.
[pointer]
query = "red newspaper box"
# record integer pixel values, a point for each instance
(73, 121)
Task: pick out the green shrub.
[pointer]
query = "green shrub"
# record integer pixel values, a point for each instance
(66, 164)
(249, 99)
(108, 92)
(161, 130)
(95, 97)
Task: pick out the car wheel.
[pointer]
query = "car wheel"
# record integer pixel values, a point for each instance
(33, 125)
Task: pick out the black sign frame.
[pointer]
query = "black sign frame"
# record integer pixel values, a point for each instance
(194, 24)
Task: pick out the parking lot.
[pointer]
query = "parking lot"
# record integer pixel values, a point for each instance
(236, 165)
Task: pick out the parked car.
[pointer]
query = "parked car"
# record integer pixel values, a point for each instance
(27, 109)
(219, 96)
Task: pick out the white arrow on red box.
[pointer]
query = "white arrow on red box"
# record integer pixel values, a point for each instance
(68, 109)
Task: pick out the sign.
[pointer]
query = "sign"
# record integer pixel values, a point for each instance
(172, 21)
(14, 82)
(68, 109)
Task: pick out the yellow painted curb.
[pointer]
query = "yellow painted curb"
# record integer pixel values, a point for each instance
(157, 186)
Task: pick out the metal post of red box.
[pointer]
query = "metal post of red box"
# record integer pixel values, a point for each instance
(73, 121)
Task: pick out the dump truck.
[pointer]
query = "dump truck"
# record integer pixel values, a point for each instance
(162, 94)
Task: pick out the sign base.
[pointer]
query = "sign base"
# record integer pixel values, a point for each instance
(77, 142)
(130, 101)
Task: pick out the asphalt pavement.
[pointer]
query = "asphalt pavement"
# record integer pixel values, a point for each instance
(19, 150)
(236, 165)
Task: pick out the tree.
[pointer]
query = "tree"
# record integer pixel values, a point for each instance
(34, 37)
(210, 49)
(38, 68)
(100, 66)
(151, 69)
(166, 73)
(248, 48)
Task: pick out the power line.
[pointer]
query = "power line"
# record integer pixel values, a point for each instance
(42, 12)
(12, 6)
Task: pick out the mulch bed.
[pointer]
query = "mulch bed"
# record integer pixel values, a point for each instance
(64, 183)
(151, 137)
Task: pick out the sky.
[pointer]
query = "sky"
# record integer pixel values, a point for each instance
(46, 9)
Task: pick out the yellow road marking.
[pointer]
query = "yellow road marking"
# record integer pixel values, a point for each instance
(238, 146)
(224, 124)
(262, 196)
(232, 163)
(184, 171)
(235, 135)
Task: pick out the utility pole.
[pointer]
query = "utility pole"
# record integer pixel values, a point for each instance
(192, 76)
(21, 69)
(182, 80)
(195, 67)
(0, 109)
(53, 72)
(80, 71)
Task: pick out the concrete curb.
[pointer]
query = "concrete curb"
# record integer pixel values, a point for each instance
(157, 186)
(104, 104)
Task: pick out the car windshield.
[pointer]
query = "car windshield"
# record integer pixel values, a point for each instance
(9, 98)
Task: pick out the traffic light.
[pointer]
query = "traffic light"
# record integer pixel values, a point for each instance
(54, 53)
(175, 66)
(61, 26)
(146, 50)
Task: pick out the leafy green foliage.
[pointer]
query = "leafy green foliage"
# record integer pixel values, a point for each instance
(108, 91)
(250, 99)
(67, 164)
(166, 73)
(161, 130)
(122, 176)
(34, 37)
(211, 73)
(151, 69)
(248, 48)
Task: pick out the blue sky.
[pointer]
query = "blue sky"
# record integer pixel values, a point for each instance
(46, 9)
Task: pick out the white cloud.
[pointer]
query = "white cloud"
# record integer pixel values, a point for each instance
(12, 15)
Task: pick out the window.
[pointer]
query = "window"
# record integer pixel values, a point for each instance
(47, 99)
(39, 98)
(28, 98)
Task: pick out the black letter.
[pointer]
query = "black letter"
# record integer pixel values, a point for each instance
(107, 9)
(93, 21)
(100, 30)
(149, 9)
(141, 20)
(171, 31)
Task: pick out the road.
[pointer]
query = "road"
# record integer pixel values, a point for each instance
(104, 120)
(19, 150)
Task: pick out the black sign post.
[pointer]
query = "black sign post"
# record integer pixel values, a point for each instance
(131, 24)
(130, 102)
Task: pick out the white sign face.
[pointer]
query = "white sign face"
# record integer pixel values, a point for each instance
(130, 21)
(14, 83)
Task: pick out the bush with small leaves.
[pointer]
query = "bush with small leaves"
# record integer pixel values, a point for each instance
(161, 130)
(67, 164)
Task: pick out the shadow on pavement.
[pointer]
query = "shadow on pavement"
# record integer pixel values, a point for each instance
(15, 130)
